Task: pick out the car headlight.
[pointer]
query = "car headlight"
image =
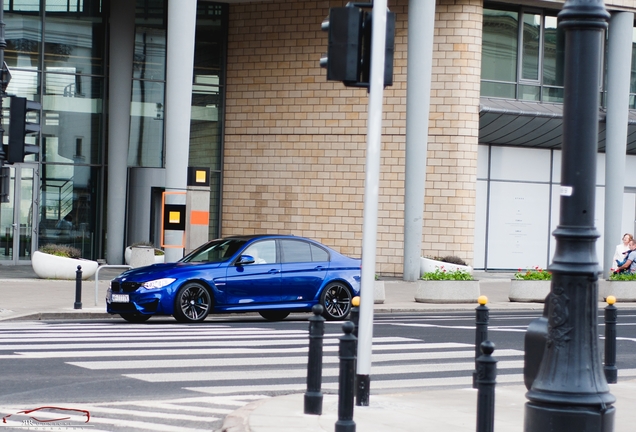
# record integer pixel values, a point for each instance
(158, 283)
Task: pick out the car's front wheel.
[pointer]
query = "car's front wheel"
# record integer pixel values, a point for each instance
(274, 315)
(135, 317)
(193, 303)
(336, 301)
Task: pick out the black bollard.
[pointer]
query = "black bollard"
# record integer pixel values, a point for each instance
(347, 354)
(482, 316)
(611, 316)
(313, 395)
(78, 288)
(486, 375)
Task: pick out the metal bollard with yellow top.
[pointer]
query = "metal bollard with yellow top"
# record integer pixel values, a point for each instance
(481, 330)
(611, 315)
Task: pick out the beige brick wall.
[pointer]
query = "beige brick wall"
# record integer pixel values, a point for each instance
(295, 144)
(449, 205)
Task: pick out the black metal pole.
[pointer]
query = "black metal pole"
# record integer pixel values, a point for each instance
(313, 395)
(78, 288)
(347, 354)
(3, 46)
(570, 392)
(482, 316)
(486, 380)
(611, 317)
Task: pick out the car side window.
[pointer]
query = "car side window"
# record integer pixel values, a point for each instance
(297, 251)
(264, 252)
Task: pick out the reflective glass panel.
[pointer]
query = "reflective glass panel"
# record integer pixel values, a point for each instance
(72, 126)
(149, 61)
(500, 90)
(552, 53)
(75, 44)
(23, 33)
(146, 124)
(531, 38)
(632, 86)
(68, 206)
(209, 42)
(499, 45)
(529, 92)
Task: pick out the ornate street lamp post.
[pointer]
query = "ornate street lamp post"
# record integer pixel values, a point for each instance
(570, 392)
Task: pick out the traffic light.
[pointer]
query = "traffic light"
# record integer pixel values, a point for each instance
(24, 118)
(349, 46)
(344, 44)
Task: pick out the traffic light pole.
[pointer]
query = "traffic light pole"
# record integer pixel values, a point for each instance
(570, 392)
(371, 192)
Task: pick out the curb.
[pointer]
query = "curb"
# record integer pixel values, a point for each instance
(239, 420)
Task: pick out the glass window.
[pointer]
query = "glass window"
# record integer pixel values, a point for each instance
(149, 61)
(530, 46)
(146, 124)
(552, 53)
(294, 251)
(72, 126)
(75, 44)
(24, 40)
(69, 206)
(499, 45)
(264, 252)
(632, 87)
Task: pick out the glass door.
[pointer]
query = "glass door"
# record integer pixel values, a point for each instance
(17, 237)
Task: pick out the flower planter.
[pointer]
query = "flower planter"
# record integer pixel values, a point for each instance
(532, 291)
(624, 291)
(428, 265)
(48, 266)
(128, 254)
(447, 291)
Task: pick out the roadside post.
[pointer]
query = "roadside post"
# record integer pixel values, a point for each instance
(78, 288)
(482, 316)
(313, 395)
(611, 317)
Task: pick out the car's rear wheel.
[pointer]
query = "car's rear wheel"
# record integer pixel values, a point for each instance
(274, 315)
(193, 303)
(135, 317)
(336, 301)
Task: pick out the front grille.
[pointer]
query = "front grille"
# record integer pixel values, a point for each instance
(126, 287)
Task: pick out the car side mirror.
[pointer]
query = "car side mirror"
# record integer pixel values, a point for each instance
(245, 259)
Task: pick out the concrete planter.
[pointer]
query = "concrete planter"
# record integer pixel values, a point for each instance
(428, 265)
(447, 291)
(128, 256)
(624, 291)
(378, 292)
(48, 266)
(532, 291)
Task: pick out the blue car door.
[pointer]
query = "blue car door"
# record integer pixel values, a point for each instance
(256, 283)
(304, 267)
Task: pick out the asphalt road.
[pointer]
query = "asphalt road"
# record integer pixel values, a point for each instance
(162, 374)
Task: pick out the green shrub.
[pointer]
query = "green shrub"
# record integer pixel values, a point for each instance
(442, 274)
(623, 276)
(61, 250)
(536, 273)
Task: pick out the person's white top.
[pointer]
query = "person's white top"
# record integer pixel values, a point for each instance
(618, 253)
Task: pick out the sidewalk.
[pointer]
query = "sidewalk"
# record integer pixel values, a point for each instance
(24, 296)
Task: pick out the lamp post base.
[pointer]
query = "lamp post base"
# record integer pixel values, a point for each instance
(568, 418)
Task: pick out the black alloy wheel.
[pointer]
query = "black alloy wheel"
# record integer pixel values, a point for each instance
(274, 315)
(193, 303)
(336, 300)
(135, 317)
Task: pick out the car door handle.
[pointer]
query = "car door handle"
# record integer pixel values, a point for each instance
(320, 268)
(273, 271)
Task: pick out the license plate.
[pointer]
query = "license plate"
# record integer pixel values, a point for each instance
(119, 298)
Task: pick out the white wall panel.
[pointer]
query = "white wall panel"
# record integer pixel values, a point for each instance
(516, 163)
(480, 225)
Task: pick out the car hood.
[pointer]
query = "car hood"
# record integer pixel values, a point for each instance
(158, 271)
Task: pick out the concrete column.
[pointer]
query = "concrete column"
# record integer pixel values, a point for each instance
(418, 96)
(619, 61)
(179, 70)
(122, 43)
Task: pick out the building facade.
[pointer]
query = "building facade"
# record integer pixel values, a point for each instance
(124, 115)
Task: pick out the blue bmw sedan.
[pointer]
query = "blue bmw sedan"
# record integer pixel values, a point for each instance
(273, 275)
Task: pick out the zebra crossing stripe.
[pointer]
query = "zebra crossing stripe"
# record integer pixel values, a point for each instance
(150, 414)
(189, 344)
(162, 350)
(263, 374)
(268, 361)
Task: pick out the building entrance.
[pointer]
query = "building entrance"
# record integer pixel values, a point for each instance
(17, 232)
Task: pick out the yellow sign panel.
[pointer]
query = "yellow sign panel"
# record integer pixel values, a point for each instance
(174, 217)
(201, 176)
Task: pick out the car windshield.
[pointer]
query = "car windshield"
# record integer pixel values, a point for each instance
(214, 251)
